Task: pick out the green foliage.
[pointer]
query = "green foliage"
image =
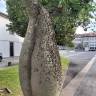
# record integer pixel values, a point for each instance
(64, 63)
(17, 16)
(65, 14)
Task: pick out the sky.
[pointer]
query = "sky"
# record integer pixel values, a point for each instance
(79, 29)
(2, 6)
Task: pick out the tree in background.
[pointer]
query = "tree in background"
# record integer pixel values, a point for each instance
(17, 16)
(65, 14)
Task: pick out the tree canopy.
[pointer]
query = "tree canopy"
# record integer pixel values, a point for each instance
(65, 14)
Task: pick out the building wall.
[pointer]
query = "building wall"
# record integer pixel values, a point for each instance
(17, 48)
(4, 48)
(88, 42)
(6, 38)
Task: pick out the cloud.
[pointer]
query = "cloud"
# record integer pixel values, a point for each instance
(2, 6)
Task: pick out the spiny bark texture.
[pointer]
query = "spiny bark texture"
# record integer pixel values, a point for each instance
(40, 68)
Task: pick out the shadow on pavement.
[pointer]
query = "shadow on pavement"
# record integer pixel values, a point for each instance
(71, 73)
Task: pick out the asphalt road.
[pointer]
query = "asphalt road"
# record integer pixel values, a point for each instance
(78, 61)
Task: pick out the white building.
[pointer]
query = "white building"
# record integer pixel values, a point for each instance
(86, 41)
(10, 44)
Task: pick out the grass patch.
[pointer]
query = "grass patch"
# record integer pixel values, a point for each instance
(9, 79)
(64, 63)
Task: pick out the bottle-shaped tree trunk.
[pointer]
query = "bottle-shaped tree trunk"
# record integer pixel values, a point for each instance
(40, 68)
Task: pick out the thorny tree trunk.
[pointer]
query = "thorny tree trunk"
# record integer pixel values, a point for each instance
(40, 68)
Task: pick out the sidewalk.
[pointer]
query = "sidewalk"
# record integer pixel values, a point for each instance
(88, 85)
(4, 63)
(84, 84)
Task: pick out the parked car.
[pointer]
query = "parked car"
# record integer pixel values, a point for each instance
(61, 47)
(92, 49)
(1, 57)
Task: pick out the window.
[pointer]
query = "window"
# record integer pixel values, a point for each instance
(11, 44)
